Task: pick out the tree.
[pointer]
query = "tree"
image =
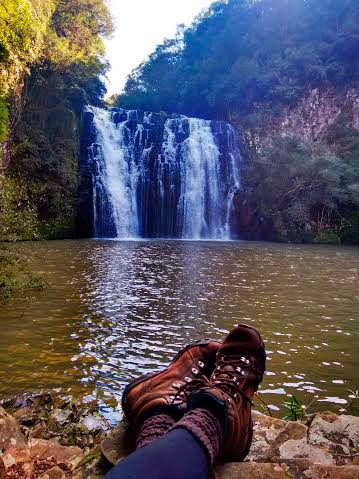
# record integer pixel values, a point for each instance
(300, 187)
(241, 52)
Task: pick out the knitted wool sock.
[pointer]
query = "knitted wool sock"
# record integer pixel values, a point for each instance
(153, 428)
(206, 428)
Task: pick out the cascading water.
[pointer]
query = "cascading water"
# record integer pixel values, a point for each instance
(158, 177)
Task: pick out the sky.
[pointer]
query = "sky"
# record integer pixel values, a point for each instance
(140, 26)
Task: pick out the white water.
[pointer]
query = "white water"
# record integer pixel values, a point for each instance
(120, 175)
(187, 191)
(200, 184)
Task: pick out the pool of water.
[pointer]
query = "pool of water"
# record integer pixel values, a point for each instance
(113, 310)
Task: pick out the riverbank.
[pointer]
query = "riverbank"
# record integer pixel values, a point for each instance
(47, 436)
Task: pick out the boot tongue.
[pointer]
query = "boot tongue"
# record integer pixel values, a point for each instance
(240, 339)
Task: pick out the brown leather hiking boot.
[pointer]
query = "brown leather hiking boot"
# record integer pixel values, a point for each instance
(239, 370)
(168, 389)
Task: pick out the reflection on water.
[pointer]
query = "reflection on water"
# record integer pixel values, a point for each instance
(114, 310)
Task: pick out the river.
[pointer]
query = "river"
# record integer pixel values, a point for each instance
(115, 309)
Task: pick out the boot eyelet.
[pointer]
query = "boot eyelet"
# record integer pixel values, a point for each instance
(200, 364)
(229, 400)
(177, 385)
(187, 379)
(239, 369)
(195, 371)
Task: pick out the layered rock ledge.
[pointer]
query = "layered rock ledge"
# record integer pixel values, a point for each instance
(45, 436)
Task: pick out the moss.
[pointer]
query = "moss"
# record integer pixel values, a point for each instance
(327, 237)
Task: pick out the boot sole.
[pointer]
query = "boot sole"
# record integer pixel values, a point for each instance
(148, 376)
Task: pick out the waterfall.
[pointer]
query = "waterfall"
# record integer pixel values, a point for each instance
(161, 177)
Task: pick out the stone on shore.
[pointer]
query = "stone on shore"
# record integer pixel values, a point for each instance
(48, 437)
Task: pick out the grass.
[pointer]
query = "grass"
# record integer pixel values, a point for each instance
(295, 410)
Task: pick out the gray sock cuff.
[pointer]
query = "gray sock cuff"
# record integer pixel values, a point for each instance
(153, 428)
(206, 428)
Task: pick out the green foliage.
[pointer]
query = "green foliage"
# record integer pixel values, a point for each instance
(4, 120)
(343, 139)
(23, 25)
(17, 216)
(76, 31)
(14, 275)
(295, 410)
(46, 159)
(327, 237)
(59, 32)
(51, 64)
(241, 52)
(299, 187)
(350, 233)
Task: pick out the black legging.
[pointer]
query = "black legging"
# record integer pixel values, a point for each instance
(176, 455)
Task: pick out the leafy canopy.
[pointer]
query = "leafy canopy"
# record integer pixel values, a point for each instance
(241, 52)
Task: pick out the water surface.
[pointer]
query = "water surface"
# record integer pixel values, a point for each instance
(113, 310)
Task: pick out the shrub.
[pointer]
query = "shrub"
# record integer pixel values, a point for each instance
(18, 218)
(327, 237)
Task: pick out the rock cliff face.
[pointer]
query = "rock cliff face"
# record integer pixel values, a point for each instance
(318, 111)
(310, 118)
(323, 115)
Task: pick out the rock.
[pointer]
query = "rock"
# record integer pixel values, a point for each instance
(318, 471)
(45, 450)
(266, 429)
(27, 400)
(61, 416)
(37, 442)
(246, 470)
(2, 469)
(76, 434)
(337, 434)
(10, 434)
(291, 443)
(94, 465)
(94, 423)
(296, 467)
(118, 444)
(26, 416)
(12, 441)
(53, 473)
(40, 431)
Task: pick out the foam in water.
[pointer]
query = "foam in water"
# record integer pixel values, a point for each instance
(176, 179)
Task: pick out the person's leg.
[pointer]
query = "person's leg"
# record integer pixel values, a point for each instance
(218, 421)
(176, 455)
(153, 428)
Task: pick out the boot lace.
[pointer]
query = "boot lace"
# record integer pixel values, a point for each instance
(185, 389)
(230, 374)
